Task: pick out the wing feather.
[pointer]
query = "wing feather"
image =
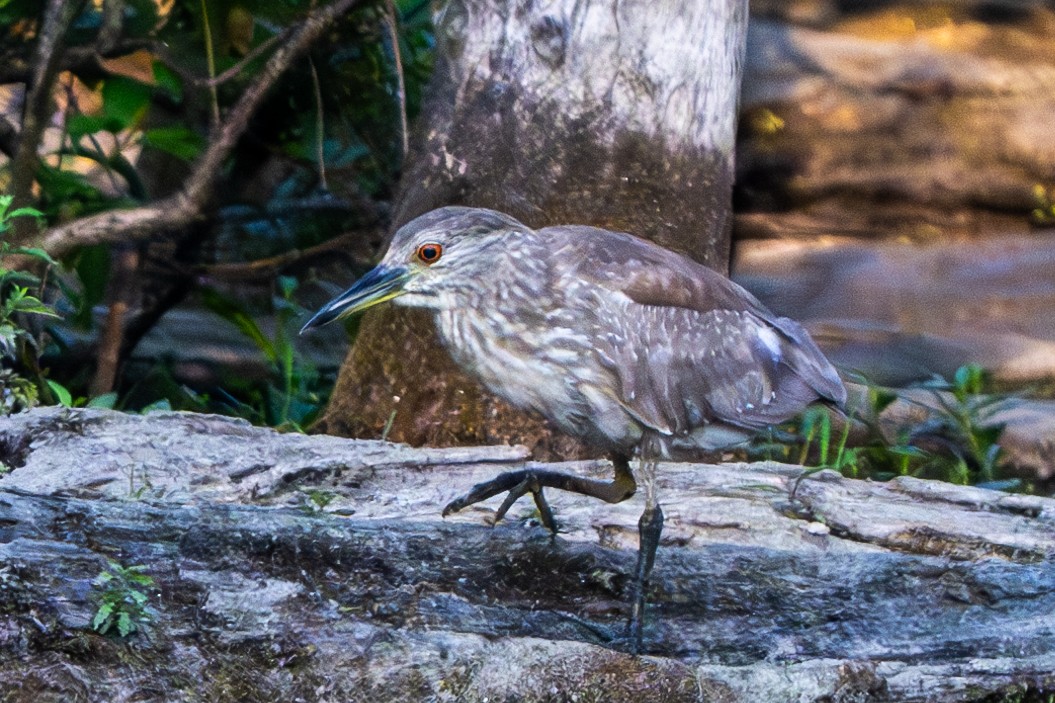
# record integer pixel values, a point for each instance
(687, 346)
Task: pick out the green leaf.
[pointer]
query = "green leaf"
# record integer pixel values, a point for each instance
(168, 80)
(101, 615)
(226, 309)
(287, 285)
(93, 270)
(32, 306)
(69, 193)
(181, 142)
(157, 406)
(908, 451)
(106, 400)
(80, 125)
(881, 400)
(1008, 484)
(989, 435)
(61, 394)
(125, 626)
(25, 212)
(125, 100)
(19, 278)
(8, 340)
(36, 253)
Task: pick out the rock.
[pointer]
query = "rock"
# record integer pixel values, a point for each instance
(900, 312)
(898, 119)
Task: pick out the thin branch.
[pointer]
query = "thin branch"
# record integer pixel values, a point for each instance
(188, 205)
(235, 70)
(57, 16)
(120, 294)
(393, 35)
(268, 267)
(98, 155)
(81, 60)
(210, 62)
(112, 23)
(320, 127)
(84, 61)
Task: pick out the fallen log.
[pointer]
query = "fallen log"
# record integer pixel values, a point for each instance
(291, 567)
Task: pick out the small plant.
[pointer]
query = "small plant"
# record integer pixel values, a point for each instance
(965, 425)
(316, 500)
(19, 297)
(291, 398)
(123, 600)
(957, 441)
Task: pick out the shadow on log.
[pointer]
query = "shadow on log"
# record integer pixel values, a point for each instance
(319, 568)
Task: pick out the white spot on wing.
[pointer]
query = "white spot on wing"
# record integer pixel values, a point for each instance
(771, 341)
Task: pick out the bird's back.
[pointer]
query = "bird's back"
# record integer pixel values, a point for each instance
(683, 347)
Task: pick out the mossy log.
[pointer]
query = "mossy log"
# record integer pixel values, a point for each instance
(317, 568)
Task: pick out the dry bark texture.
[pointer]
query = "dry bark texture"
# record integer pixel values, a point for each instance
(620, 115)
(848, 591)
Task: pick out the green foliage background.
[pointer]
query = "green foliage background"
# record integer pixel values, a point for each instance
(319, 160)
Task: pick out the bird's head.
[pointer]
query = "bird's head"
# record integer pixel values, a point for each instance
(436, 254)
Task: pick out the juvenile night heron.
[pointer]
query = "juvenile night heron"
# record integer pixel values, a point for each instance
(617, 341)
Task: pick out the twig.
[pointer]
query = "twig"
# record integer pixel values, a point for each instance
(77, 59)
(320, 127)
(99, 156)
(57, 16)
(393, 35)
(210, 61)
(233, 71)
(189, 204)
(265, 268)
(112, 23)
(120, 291)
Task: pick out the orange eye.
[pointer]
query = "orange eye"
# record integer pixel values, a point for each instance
(430, 253)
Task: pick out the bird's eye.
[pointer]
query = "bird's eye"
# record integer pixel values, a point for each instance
(430, 253)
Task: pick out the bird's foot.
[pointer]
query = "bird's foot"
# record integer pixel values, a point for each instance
(516, 484)
(519, 483)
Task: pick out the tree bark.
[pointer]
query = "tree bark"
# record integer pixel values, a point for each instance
(620, 115)
(290, 567)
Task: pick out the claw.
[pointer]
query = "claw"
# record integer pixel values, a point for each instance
(529, 483)
(518, 483)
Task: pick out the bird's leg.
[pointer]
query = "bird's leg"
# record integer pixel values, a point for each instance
(519, 483)
(649, 528)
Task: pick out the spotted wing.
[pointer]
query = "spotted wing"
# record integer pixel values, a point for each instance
(686, 346)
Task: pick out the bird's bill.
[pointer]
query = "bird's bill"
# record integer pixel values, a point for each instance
(376, 286)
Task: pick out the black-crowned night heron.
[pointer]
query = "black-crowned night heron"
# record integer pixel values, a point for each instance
(617, 341)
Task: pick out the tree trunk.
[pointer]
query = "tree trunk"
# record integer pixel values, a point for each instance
(620, 115)
(290, 568)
